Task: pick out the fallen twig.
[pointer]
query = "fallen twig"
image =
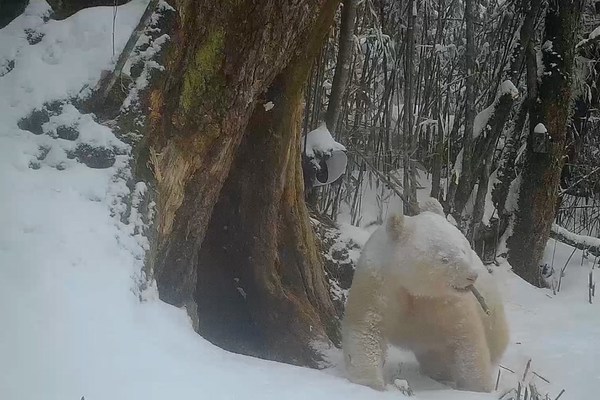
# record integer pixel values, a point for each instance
(505, 394)
(498, 379)
(562, 271)
(591, 285)
(506, 368)
(526, 370)
(541, 377)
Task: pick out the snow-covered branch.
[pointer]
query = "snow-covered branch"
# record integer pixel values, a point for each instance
(590, 243)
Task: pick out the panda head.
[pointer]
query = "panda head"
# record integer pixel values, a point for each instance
(430, 257)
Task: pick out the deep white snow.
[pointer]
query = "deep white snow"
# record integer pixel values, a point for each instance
(74, 321)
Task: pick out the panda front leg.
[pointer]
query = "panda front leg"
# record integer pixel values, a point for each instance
(363, 337)
(364, 350)
(472, 367)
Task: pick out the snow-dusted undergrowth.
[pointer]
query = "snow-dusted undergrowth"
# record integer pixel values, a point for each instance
(72, 321)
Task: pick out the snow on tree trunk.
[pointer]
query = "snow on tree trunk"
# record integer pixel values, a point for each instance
(541, 175)
(234, 244)
(523, 55)
(487, 128)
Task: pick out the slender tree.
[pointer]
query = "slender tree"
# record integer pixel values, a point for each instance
(409, 183)
(466, 177)
(342, 66)
(438, 146)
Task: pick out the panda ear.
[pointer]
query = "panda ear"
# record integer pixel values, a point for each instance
(432, 205)
(396, 227)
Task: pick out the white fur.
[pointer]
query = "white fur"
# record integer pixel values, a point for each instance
(410, 290)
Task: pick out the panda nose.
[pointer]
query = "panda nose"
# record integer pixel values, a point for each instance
(472, 277)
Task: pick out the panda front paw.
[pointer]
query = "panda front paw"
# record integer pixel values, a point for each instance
(374, 380)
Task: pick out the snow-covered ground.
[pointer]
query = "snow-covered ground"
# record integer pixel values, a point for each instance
(72, 323)
(558, 332)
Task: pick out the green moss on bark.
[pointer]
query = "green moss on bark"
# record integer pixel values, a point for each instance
(203, 82)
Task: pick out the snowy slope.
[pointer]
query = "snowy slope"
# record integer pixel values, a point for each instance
(72, 321)
(559, 332)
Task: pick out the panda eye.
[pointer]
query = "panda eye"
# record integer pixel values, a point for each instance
(445, 260)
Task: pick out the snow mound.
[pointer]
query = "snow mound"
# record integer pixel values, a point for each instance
(540, 128)
(507, 87)
(319, 142)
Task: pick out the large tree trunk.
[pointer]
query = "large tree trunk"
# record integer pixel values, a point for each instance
(541, 176)
(235, 245)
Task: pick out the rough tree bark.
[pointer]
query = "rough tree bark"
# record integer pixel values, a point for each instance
(541, 175)
(234, 245)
